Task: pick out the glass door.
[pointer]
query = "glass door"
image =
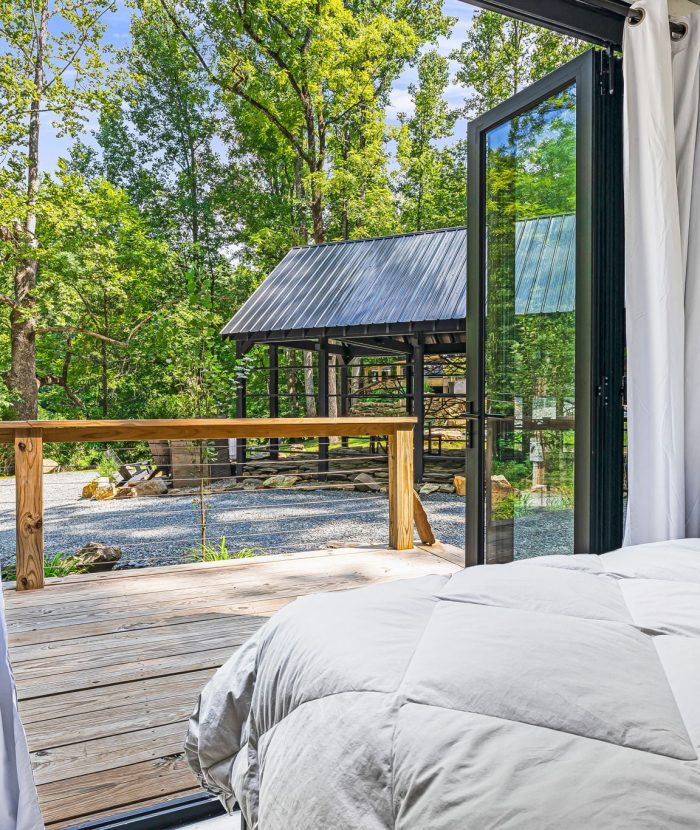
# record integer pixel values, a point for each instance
(533, 318)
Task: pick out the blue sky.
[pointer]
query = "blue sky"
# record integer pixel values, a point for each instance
(117, 34)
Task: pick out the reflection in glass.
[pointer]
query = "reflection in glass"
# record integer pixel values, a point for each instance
(530, 328)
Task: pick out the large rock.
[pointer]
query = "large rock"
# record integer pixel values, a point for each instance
(154, 487)
(50, 466)
(280, 481)
(105, 490)
(366, 484)
(89, 489)
(429, 489)
(501, 489)
(96, 557)
(125, 493)
(252, 483)
(460, 485)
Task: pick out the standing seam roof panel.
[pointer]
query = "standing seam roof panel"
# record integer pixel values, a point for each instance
(418, 277)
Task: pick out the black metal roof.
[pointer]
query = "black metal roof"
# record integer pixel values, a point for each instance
(411, 278)
(395, 285)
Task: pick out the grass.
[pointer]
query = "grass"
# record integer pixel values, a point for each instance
(221, 553)
(57, 565)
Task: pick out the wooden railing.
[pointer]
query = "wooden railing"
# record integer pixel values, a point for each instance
(30, 436)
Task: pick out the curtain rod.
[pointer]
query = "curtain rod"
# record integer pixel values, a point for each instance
(635, 16)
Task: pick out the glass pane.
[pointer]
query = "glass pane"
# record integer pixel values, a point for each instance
(530, 329)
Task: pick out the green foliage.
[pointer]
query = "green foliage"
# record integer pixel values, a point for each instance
(219, 553)
(73, 67)
(60, 564)
(502, 55)
(227, 133)
(432, 181)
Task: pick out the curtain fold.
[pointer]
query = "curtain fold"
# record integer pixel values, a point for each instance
(19, 808)
(662, 209)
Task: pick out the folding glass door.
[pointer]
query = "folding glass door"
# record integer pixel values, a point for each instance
(544, 286)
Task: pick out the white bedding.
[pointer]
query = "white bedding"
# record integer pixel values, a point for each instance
(558, 692)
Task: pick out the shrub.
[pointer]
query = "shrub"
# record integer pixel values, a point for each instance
(208, 553)
(59, 564)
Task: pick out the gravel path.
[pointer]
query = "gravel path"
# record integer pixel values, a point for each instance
(158, 531)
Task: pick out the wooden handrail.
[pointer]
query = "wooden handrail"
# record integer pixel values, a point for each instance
(135, 430)
(30, 436)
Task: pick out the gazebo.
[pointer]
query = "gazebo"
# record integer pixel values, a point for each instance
(394, 296)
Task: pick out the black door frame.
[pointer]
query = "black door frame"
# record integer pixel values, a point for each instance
(598, 474)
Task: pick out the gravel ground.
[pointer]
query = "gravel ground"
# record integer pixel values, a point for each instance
(158, 531)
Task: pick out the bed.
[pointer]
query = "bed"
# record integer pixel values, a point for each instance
(556, 692)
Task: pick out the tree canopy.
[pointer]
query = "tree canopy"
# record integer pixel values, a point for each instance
(226, 132)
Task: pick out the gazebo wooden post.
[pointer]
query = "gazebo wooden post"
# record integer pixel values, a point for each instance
(241, 391)
(274, 395)
(344, 370)
(418, 406)
(322, 405)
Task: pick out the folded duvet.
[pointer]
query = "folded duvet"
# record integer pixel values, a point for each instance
(558, 692)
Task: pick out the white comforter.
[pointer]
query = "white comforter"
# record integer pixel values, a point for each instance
(558, 692)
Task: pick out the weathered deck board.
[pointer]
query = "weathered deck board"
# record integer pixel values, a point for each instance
(108, 667)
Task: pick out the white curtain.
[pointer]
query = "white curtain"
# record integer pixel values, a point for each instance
(662, 218)
(19, 809)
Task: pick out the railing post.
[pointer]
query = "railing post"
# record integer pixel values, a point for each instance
(29, 516)
(401, 489)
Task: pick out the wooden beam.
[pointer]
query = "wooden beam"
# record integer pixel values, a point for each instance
(420, 517)
(196, 428)
(383, 345)
(401, 490)
(29, 483)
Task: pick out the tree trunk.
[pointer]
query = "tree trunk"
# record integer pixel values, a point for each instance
(309, 385)
(300, 198)
(22, 379)
(317, 215)
(333, 392)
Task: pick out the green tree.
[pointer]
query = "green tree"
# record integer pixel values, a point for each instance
(431, 185)
(101, 284)
(306, 69)
(52, 62)
(502, 55)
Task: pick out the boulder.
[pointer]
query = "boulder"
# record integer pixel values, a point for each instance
(501, 489)
(105, 490)
(154, 487)
(125, 493)
(460, 485)
(51, 466)
(280, 481)
(429, 489)
(252, 483)
(96, 557)
(447, 488)
(89, 489)
(366, 484)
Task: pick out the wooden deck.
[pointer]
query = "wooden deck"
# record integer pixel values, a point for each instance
(108, 667)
